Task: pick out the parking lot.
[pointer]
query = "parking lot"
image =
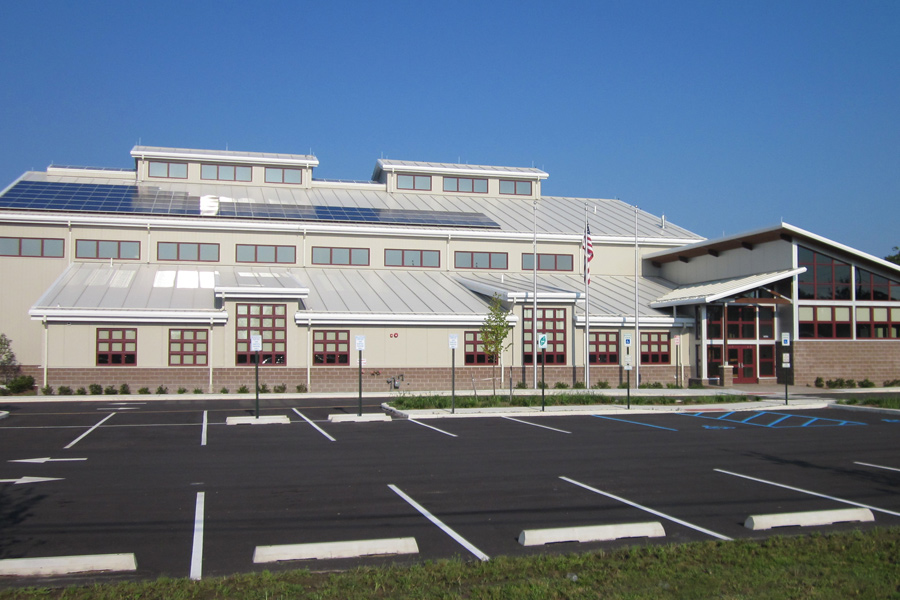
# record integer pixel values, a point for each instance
(170, 485)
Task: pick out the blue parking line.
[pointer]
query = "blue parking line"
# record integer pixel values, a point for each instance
(776, 424)
(633, 422)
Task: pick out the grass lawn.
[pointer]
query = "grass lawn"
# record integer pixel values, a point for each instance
(414, 402)
(879, 401)
(839, 566)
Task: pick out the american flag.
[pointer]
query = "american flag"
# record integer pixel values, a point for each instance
(588, 247)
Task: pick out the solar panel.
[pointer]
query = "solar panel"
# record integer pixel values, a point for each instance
(105, 198)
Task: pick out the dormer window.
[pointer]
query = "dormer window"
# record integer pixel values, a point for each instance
(518, 188)
(280, 175)
(466, 185)
(225, 172)
(414, 182)
(172, 170)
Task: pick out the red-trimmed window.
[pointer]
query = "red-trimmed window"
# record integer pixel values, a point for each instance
(268, 321)
(481, 260)
(825, 322)
(604, 348)
(187, 251)
(116, 347)
(412, 258)
(548, 262)
(655, 348)
(877, 322)
(171, 170)
(106, 249)
(283, 175)
(331, 347)
(518, 188)
(870, 286)
(250, 253)
(767, 361)
(188, 347)
(825, 278)
(466, 185)
(551, 321)
(414, 182)
(39, 247)
(741, 322)
(226, 172)
(322, 255)
(474, 347)
(766, 323)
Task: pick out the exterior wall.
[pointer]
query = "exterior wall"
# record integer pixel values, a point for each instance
(877, 360)
(764, 258)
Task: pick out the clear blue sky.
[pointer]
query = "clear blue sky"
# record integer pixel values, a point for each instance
(724, 115)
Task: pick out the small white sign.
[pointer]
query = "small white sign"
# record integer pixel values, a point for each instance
(785, 339)
(255, 343)
(786, 358)
(360, 342)
(361, 364)
(628, 367)
(542, 341)
(454, 341)
(627, 338)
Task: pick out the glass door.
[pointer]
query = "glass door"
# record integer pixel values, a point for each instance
(743, 360)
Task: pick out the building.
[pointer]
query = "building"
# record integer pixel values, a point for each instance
(161, 275)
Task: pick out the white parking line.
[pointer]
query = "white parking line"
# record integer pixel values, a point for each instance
(322, 431)
(205, 425)
(876, 466)
(460, 539)
(802, 491)
(649, 510)
(85, 434)
(435, 428)
(536, 425)
(197, 550)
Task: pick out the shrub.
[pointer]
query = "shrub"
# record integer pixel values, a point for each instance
(144, 390)
(243, 390)
(224, 390)
(601, 385)
(20, 384)
(892, 383)
(47, 390)
(263, 388)
(81, 391)
(656, 385)
(280, 389)
(578, 385)
(182, 390)
(820, 382)
(542, 385)
(162, 390)
(673, 386)
(561, 385)
(521, 385)
(64, 390)
(110, 390)
(866, 383)
(198, 391)
(96, 389)
(301, 388)
(124, 389)
(623, 385)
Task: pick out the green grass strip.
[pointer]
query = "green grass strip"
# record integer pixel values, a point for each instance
(877, 401)
(838, 566)
(567, 399)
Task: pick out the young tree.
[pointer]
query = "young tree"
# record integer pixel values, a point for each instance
(494, 332)
(895, 257)
(9, 366)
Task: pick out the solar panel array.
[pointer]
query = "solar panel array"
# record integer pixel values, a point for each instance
(105, 198)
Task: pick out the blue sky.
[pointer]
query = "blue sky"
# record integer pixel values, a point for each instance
(725, 116)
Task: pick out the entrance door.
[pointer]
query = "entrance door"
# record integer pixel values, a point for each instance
(743, 359)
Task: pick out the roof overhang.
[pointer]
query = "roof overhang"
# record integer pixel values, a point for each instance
(510, 295)
(628, 321)
(711, 291)
(326, 318)
(74, 315)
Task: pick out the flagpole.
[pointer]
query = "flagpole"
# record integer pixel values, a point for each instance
(534, 299)
(637, 329)
(588, 247)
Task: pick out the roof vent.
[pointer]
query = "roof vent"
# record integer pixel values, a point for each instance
(662, 223)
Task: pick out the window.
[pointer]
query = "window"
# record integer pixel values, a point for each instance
(474, 349)
(766, 323)
(825, 322)
(116, 347)
(741, 322)
(414, 182)
(188, 251)
(767, 361)
(519, 188)
(331, 347)
(188, 347)
(46, 248)
(268, 321)
(870, 286)
(265, 254)
(280, 175)
(604, 348)
(108, 249)
(825, 278)
(171, 170)
(877, 322)
(466, 185)
(340, 256)
(412, 258)
(551, 321)
(655, 348)
(225, 172)
(481, 260)
(548, 262)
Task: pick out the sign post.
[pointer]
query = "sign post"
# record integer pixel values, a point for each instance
(360, 346)
(786, 361)
(628, 367)
(542, 344)
(454, 343)
(256, 346)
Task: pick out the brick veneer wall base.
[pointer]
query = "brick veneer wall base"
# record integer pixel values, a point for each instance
(879, 361)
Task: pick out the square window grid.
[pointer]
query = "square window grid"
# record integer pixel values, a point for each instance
(603, 347)
(188, 347)
(655, 348)
(268, 321)
(331, 347)
(551, 321)
(116, 347)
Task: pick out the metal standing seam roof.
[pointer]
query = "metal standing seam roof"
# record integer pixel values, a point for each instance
(710, 291)
(412, 166)
(224, 155)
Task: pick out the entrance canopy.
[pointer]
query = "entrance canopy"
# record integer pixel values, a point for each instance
(706, 292)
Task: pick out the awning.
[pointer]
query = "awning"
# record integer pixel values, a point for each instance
(710, 291)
